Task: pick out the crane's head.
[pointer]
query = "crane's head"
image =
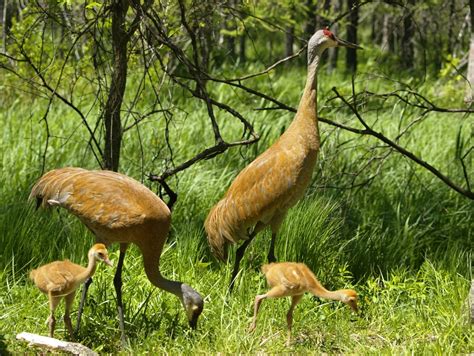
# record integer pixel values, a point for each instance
(100, 253)
(193, 304)
(349, 297)
(323, 39)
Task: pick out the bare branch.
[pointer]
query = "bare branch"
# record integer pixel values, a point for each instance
(404, 152)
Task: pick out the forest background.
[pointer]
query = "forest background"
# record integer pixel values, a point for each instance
(181, 95)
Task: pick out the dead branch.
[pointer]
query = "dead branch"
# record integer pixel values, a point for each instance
(369, 131)
(55, 344)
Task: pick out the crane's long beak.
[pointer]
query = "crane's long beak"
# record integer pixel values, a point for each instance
(108, 262)
(342, 43)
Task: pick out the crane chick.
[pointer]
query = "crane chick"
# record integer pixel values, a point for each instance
(60, 279)
(291, 279)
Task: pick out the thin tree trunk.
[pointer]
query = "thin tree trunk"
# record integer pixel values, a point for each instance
(6, 24)
(333, 52)
(310, 25)
(242, 54)
(407, 49)
(469, 98)
(112, 119)
(451, 23)
(289, 40)
(386, 33)
(377, 24)
(351, 54)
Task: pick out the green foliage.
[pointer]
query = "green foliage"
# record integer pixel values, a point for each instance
(403, 240)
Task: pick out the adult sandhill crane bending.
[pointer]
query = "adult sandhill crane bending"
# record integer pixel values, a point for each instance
(117, 208)
(263, 192)
(290, 279)
(60, 279)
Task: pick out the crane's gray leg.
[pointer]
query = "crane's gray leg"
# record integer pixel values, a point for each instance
(118, 291)
(238, 257)
(240, 253)
(275, 226)
(87, 283)
(271, 252)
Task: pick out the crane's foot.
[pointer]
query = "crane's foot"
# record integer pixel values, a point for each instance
(124, 341)
(252, 327)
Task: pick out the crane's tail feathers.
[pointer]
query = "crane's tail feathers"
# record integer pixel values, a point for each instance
(48, 190)
(215, 235)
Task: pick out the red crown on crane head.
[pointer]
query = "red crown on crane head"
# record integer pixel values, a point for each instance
(328, 33)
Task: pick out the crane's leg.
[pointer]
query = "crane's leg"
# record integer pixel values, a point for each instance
(240, 253)
(238, 257)
(118, 291)
(271, 252)
(256, 306)
(87, 283)
(289, 317)
(53, 304)
(275, 292)
(67, 318)
(275, 226)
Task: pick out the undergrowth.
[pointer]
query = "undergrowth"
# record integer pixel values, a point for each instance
(403, 240)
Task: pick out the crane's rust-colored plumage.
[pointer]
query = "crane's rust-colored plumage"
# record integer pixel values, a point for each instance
(262, 193)
(291, 279)
(117, 208)
(60, 279)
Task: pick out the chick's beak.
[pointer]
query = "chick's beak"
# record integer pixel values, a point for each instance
(343, 43)
(108, 262)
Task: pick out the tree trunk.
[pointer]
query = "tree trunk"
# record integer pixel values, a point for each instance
(351, 54)
(242, 55)
(376, 26)
(451, 24)
(469, 98)
(406, 45)
(112, 120)
(7, 14)
(310, 25)
(333, 52)
(289, 40)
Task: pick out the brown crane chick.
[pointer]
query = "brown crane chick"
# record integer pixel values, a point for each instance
(262, 193)
(117, 208)
(291, 279)
(60, 279)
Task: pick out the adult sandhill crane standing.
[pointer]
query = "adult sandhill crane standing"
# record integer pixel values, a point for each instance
(60, 279)
(117, 208)
(263, 192)
(290, 279)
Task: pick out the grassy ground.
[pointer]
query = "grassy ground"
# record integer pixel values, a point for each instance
(404, 242)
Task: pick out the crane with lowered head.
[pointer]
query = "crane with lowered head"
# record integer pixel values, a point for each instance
(117, 208)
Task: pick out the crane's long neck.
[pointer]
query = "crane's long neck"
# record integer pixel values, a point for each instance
(306, 120)
(88, 271)
(151, 262)
(311, 86)
(319, 291)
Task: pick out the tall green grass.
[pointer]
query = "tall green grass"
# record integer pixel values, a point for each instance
(403, 241)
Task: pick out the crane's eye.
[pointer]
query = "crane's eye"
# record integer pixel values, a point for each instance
(101, 254)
